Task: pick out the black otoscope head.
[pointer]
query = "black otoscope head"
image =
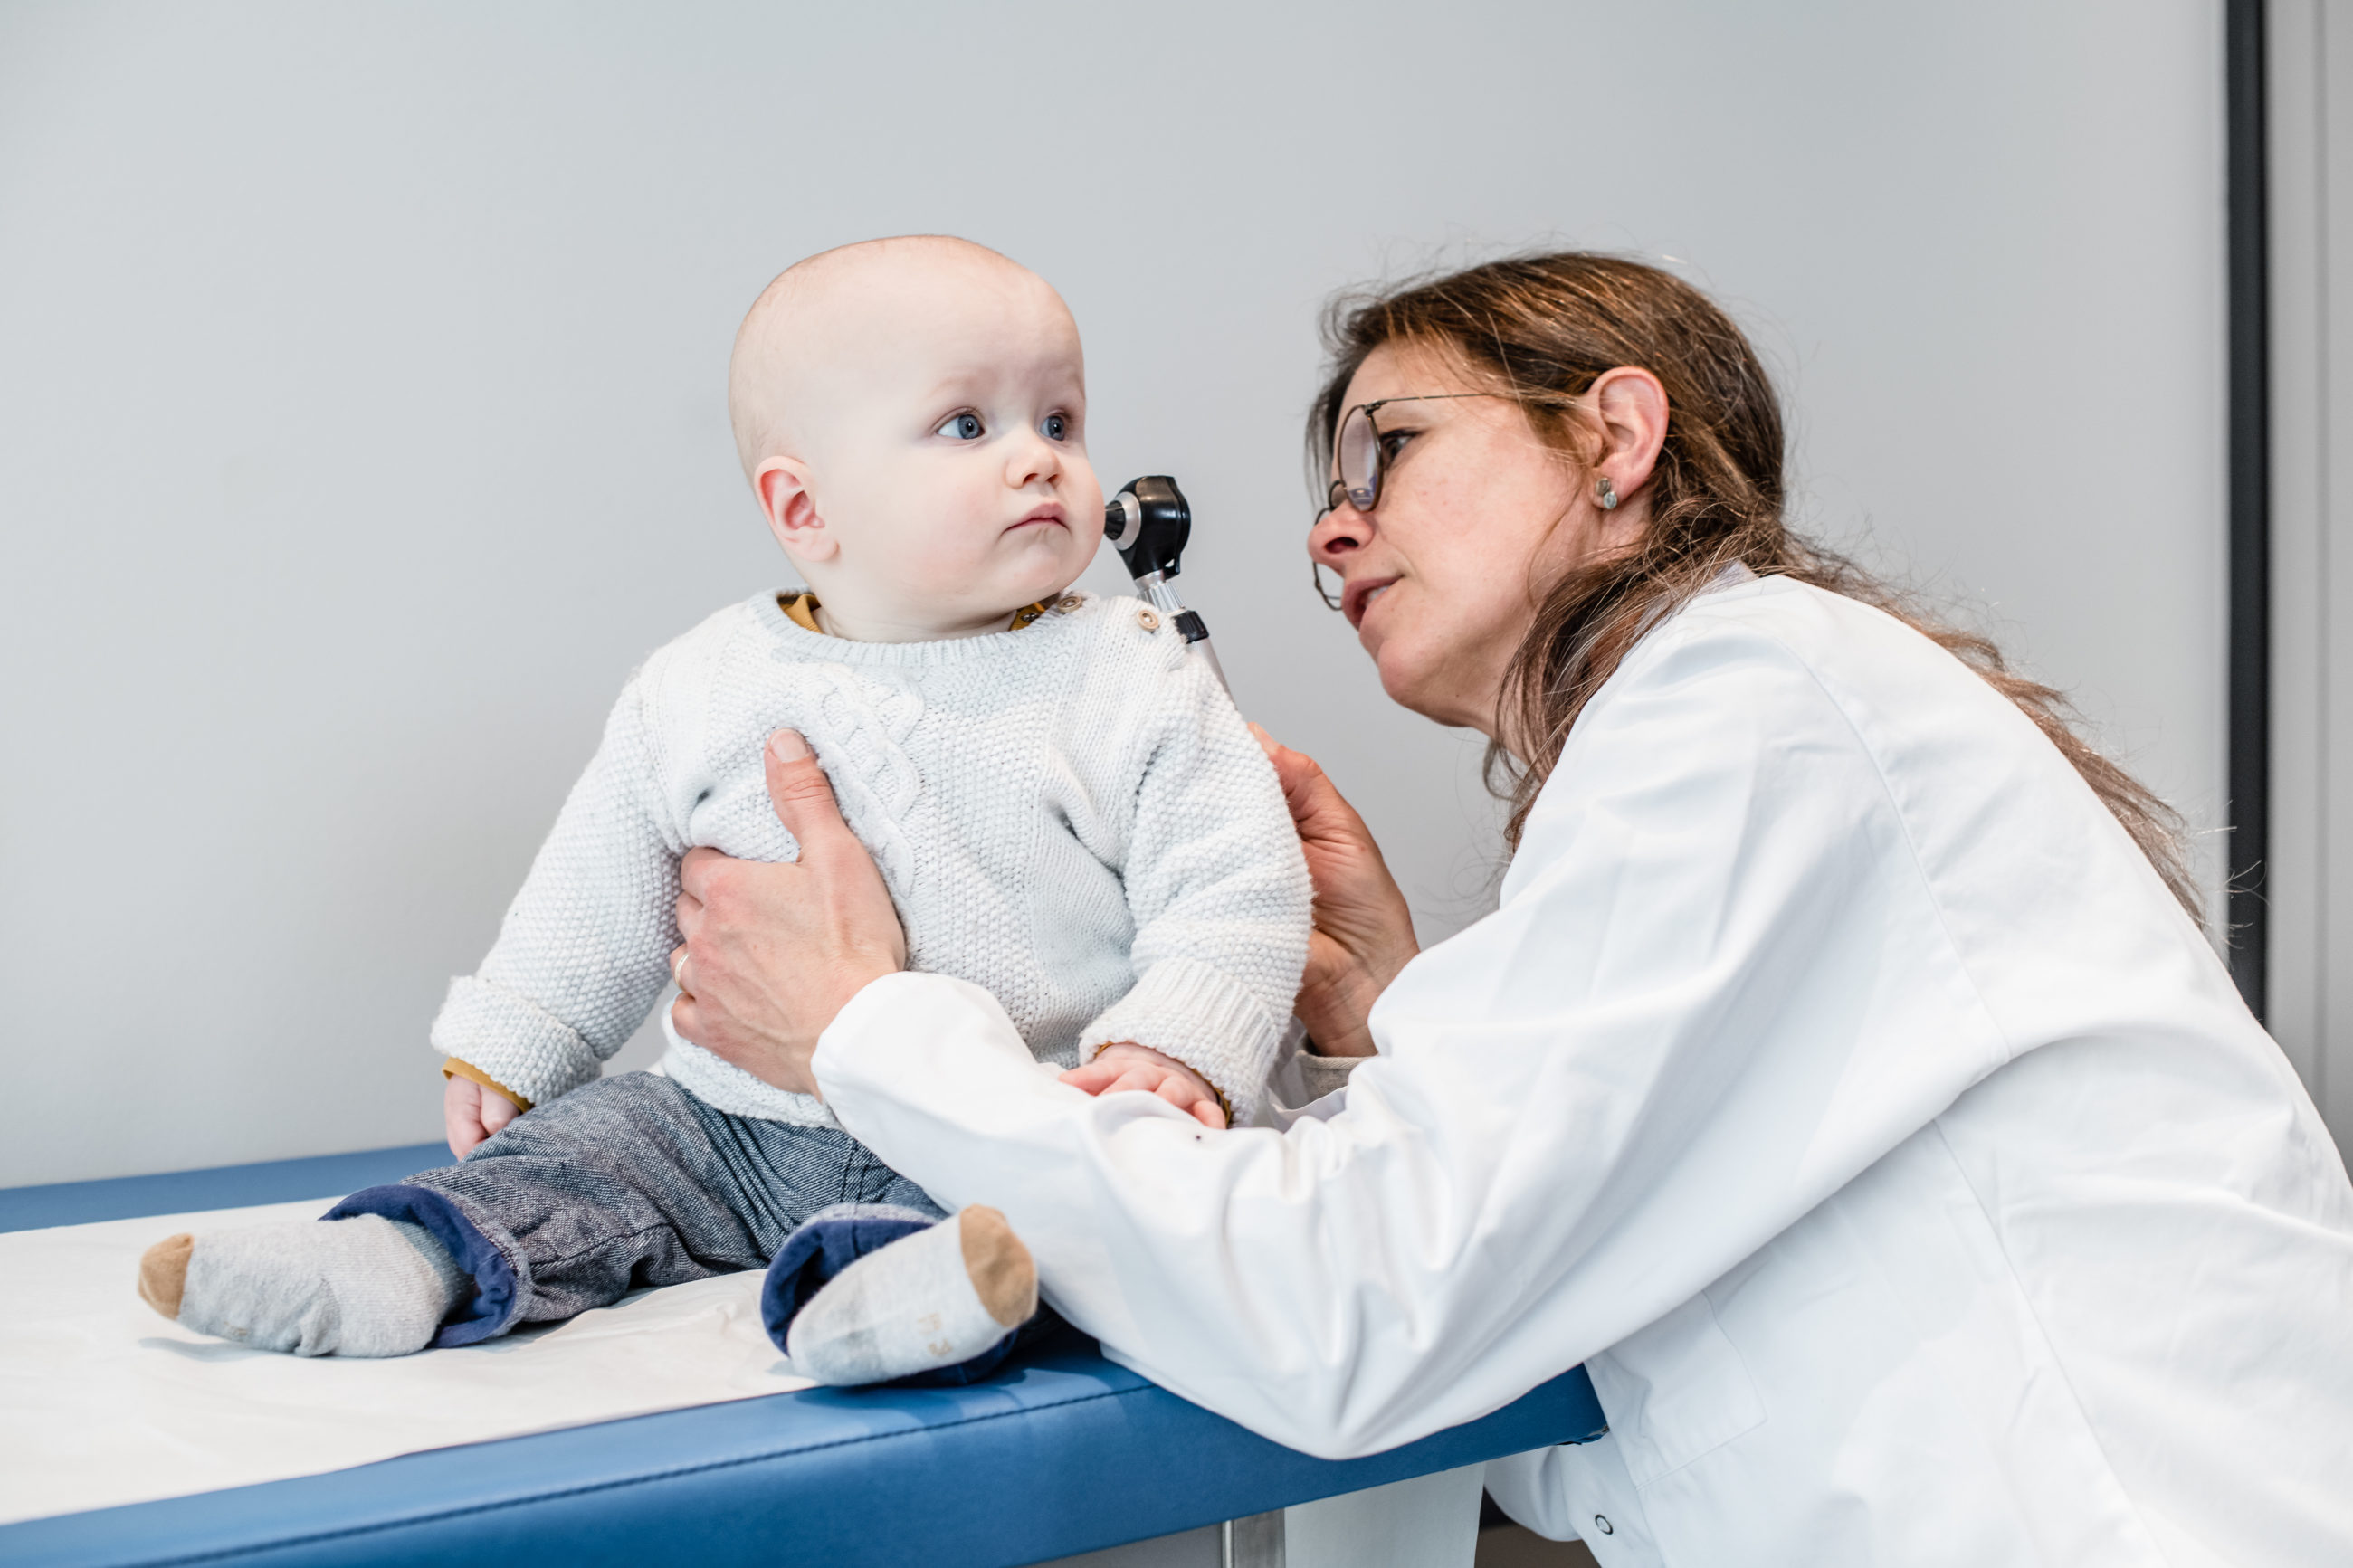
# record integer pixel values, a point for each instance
(1149, 521)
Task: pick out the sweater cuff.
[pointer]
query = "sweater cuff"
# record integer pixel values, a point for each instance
(1203, 1017)
(527, 1052)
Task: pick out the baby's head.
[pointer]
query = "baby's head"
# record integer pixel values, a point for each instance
(912, 413)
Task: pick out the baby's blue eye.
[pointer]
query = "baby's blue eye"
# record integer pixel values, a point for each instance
(1057, 427)
(960, 426)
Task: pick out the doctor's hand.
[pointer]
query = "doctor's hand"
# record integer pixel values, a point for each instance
(1130, 1065)
(772, 952)
(1364, 934)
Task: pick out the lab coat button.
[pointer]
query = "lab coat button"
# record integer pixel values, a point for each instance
(1603, 1525)
(1149, 621)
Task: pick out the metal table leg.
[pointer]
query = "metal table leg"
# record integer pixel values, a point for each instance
(1256, 1541)
(1429, 1521)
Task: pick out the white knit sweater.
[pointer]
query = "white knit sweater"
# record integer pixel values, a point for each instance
(1071, 815)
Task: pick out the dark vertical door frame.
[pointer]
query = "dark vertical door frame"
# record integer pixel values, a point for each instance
(2249, 682)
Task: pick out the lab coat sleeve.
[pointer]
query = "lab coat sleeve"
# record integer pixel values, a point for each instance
(1716, 990)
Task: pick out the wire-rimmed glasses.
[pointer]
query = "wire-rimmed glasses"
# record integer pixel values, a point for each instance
(1362, 455)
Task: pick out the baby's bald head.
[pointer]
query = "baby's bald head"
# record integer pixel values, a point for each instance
(912, 415)
(859, 313)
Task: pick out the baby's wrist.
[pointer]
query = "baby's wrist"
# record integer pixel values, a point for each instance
(1129, 1050)
(453, 1068)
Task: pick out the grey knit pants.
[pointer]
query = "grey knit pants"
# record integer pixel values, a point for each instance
(630, 1182)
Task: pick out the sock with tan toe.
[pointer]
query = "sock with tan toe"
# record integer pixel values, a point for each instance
(364, 1286)
(932, 1300)
(164, 1273)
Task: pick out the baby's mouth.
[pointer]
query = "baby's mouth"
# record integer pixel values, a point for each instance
(1049, 513)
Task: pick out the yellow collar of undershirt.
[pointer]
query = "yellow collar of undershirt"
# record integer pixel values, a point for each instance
(801, 610)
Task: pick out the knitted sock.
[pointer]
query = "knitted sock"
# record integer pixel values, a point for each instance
(931, 1299)
(364, 1286)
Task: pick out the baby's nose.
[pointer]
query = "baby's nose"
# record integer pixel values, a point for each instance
(1032, 460)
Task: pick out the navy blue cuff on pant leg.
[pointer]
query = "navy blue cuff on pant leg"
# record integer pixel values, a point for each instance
(495, 1301)
(829, 1241)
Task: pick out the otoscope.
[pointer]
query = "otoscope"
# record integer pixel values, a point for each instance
(1149, 521)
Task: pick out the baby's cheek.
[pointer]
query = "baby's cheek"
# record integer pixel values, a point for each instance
(936, 534)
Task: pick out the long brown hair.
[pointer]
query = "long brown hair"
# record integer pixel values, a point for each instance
(1540, 329)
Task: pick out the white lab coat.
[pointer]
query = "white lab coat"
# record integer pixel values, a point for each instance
(1836, 1081)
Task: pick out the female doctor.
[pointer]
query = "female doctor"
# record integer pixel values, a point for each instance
(1842, 1078)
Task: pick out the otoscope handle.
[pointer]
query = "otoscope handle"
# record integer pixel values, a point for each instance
(1150, 522)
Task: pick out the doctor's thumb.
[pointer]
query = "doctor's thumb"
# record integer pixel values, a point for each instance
(801, 794)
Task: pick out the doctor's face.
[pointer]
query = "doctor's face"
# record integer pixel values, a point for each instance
(1477, 517)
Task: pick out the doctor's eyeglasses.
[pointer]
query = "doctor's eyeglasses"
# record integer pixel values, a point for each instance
(1361, 451)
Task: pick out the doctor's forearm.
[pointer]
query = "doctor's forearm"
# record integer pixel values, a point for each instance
(1323, 1289)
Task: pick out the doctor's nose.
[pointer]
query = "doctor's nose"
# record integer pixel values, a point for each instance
(1340, 531)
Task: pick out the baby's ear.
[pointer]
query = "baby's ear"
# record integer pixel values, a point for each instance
(783, 487)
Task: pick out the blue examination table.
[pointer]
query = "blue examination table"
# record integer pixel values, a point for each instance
(1020, 1468)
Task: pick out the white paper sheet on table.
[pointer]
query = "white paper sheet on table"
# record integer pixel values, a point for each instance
(103, 1402)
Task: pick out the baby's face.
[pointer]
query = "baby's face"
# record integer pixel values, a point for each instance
(940, 430)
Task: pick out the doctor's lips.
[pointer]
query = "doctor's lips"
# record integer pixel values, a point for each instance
(1357, 597)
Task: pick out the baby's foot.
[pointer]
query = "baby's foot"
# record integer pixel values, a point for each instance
(931, 1299)
(364, 1286)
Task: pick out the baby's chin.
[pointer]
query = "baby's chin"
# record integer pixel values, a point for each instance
(1027, 577)
(998, 599)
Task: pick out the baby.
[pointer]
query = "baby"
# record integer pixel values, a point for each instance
(1065, 806)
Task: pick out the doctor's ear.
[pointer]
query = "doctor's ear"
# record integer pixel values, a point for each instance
(783, 487)
(1630, 406)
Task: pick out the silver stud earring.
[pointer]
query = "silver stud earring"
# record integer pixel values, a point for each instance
(1608, 493)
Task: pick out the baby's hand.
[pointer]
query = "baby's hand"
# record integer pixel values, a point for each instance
(1126, 1065)
(470, 1113)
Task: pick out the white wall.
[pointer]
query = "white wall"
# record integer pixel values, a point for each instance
(362, 415)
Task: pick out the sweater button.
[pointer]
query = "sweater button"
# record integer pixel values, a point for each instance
(1149, 619)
